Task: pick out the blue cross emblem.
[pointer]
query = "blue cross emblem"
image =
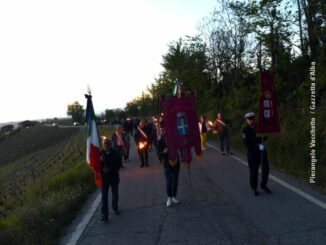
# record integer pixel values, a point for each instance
(182, 126)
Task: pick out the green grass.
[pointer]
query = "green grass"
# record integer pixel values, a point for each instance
(42, 190)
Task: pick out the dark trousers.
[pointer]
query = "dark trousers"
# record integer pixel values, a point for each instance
(126, 153)
(143, 154)
(159, 155)
(171, 177)
(105, 196)
(253, 162)
(120, 150)
(225, 142)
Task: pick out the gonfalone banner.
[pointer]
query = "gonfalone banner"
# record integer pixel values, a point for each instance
(268, 121)
(181, 126)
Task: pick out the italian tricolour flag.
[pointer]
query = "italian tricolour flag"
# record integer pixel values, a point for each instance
(93, 142)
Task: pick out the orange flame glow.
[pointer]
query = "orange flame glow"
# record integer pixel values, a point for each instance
(142, 145)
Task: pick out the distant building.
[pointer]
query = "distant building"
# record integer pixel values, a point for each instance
(7, 129)
(27, 124)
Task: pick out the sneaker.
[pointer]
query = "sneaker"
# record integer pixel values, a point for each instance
(223, 153)
(175, 200)
(169, 202)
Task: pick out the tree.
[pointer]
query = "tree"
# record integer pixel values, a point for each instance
(187, 61)
(315, 17)
(76, 111)
(269, 21)
(226, 37)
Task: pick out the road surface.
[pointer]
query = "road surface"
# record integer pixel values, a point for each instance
(217, 207)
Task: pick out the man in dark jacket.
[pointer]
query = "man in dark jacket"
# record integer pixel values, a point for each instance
(111, 163)
(256, 154)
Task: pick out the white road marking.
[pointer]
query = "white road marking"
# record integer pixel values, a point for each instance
(83, 223)
(283, 183)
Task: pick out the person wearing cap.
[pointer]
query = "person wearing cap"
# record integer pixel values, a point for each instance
(110, 165)
(171, 170)
(256, 154)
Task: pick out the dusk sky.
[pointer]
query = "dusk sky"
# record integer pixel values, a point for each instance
(51, 50)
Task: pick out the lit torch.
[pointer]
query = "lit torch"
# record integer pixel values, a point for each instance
(142, 145)
(210, 123)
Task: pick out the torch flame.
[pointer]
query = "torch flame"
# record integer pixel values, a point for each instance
(210, 123)
(142, 145)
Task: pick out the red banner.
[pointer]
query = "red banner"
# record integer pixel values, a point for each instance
(268, 121)
(181, 126)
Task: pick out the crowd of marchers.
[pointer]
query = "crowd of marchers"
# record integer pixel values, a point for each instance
(149, 136)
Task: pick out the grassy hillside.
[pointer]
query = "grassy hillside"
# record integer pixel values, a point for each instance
(44, 178)
(28, 140)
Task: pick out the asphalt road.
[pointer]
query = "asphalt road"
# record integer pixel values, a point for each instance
(216, 207)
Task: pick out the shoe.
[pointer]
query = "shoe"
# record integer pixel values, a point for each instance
(117, 211)
(104, 218)
(223, 153)
(175, 200)
(147, 165)
(169, 202)
(266, 189)
(204, 149)
(142, 165)
(256, 193)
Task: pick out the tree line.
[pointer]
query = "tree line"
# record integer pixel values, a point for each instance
(222, 64)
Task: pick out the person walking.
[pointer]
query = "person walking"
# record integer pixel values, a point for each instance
(110, 165)
(256, 154)
(142, 143)
(126, 142)
(221, 127)
(203, 129)
(117, 142)
(171, 171)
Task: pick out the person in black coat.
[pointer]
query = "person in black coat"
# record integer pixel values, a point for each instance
(256, 154)
(171, 171)
(111, 163)
(142, 140)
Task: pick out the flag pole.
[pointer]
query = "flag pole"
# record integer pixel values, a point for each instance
(262, 152)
